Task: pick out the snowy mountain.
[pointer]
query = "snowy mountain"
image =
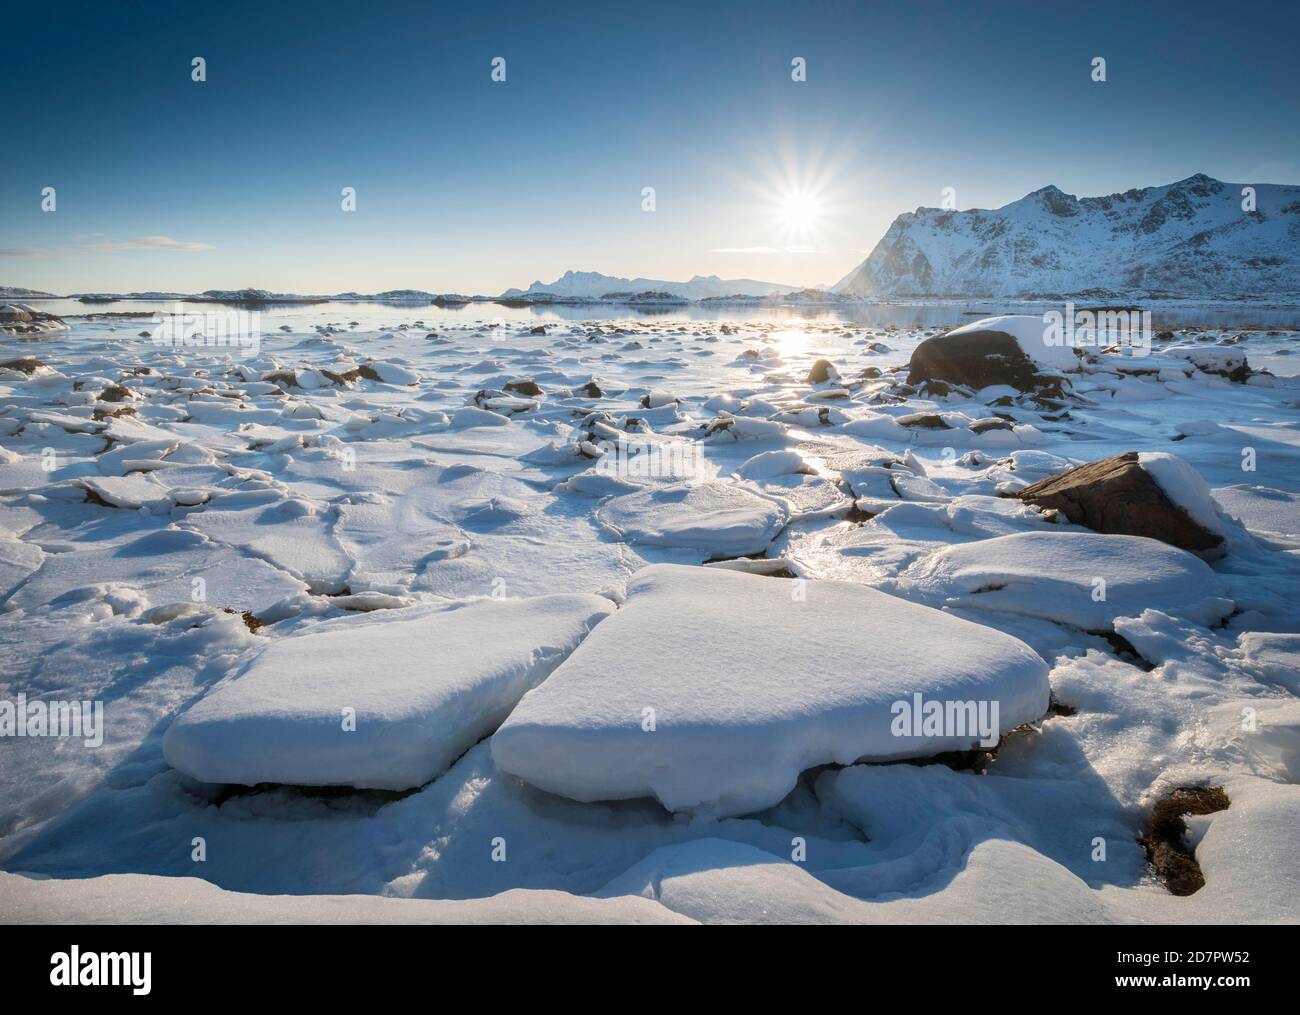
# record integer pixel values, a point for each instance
(594, 285)
(1193, 238)
(16, 292)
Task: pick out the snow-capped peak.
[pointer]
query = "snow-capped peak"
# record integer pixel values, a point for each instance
(593, 285)
(1197, 237)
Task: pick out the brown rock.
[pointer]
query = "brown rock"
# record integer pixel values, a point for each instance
(822, 371)
(990, 423)
(28, 364)
(976, 359)
(1166, 836)
(1117, 496)
(115, 393)
(924, 420)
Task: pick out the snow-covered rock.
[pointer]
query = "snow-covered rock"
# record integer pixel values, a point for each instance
(1124, 495)
(775, 463)
(1185, 488)
(394, 373)
(1010, 350)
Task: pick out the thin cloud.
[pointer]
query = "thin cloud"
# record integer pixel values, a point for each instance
(107, 246)
(145, 243)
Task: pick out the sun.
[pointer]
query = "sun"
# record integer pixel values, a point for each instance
(800, 211)
(795, 199)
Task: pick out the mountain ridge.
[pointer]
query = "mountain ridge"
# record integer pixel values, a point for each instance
(593, 285)
(1190, 238)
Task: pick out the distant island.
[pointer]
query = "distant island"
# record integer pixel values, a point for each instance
(514, 298)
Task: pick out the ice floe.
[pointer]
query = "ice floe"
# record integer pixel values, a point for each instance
(1078, 578)
(714, 519)
(387, 701)
(712, 690)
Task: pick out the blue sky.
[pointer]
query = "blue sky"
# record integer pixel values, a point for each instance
(468, 185)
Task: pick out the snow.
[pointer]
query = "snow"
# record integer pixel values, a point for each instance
(470, 416)
(394, 373)
(1183, 485)
(715, 519)
(238, 522)
(1030, 335)
(162, 566)
(769, 464)
(750, 685)
(1079, 578)
(1265, 511)
(137, 898)
(712, 881)
(293, 534)
(989, 876)
(593, 285)
(137, 491)
(1188, 239)
(1275, 657)
(441, 680)
(18, 561)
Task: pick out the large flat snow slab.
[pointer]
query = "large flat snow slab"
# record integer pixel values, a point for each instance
(423, 686)
(1079, 578)
(751, 680)
(721, 519)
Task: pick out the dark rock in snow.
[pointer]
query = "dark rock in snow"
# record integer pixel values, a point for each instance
(1117, 496)
(942, 389)
(924, 420)
(525, 386)
(20, 319)
(1166, 836)
(976, 359)
(114, 393)
(822, 371)
(993, 423)
(28, 364)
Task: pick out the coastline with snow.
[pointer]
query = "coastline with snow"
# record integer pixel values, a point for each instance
(403, 580)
